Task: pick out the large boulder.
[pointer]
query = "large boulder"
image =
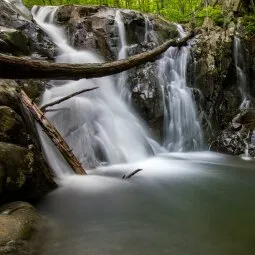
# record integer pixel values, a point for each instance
(24, 174)
(20, 24)
(22, 230)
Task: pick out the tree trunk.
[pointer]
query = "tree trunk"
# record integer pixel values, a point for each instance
(20, 68)
(53, 134)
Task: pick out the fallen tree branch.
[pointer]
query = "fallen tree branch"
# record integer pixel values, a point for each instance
(21, 68)
(131, 174)
(65, 98)
(53, 134)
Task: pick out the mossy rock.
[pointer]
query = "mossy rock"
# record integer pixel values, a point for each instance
(21, 229)
(10, 95)
(12, 128)
(33, 88)
(13, 41)
(26, 175)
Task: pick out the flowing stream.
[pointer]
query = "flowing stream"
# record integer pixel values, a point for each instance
(180, 203)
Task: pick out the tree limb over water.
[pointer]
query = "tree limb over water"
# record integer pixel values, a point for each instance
(20, 68)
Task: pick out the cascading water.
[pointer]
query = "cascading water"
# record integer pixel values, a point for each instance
(98, 126)
(123, 53)
(241, 72)
(150, 35)
(182, 128)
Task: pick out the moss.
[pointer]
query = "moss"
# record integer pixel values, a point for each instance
(17, 41)
(248, 23)
(12, 128)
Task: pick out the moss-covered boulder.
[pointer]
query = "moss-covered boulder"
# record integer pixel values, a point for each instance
(24, 174)
(22, 229)
(26, 177)
(12, 128)
(13, 41)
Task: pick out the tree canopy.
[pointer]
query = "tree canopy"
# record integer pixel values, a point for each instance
(174, 10)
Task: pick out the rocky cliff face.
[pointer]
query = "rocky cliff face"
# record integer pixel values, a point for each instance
(228, 123)
(24, 174)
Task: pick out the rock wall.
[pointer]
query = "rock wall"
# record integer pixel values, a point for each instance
(228, 126)
(24, 174)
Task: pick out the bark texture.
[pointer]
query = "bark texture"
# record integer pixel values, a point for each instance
(54, 135)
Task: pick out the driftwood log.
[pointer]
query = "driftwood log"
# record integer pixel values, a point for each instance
(53, 134)
(131, 174)
(22, 68)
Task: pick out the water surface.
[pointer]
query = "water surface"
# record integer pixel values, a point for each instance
(190, 204)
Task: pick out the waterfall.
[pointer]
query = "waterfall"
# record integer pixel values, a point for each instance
(150, 35)
(241, 72)
(122, 78)
(99, 126)
(181, 126)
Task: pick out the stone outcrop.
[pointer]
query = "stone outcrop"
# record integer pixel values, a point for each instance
(18, 30)
(218, 88)
(24, 174)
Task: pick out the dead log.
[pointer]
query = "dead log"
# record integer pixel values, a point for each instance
(131, 174)
(65, 98)
(53, 134)
(22, 68)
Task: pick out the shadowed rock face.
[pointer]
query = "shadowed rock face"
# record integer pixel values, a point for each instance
(24, 174)
(218, 95)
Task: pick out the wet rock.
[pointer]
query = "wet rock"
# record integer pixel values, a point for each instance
(238, 136)
(38, 43)
(26, 177)
(13, 41)
(22, 229)
(24, 173)
(147, 97)
(215, 77)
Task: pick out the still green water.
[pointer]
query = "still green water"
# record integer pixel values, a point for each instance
(180, 204)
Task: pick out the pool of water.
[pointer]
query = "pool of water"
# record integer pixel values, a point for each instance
(180, 204)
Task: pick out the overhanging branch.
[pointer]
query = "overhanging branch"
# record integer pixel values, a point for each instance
(20, 68)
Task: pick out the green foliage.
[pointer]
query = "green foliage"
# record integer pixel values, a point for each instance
(249, 24)
(174, 10)
(215, 13)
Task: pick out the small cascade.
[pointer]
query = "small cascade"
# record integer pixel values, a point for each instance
(150, 35)
(182, 128)
(246, 155)
(98, 126)
(241, 73)
(122, 78)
